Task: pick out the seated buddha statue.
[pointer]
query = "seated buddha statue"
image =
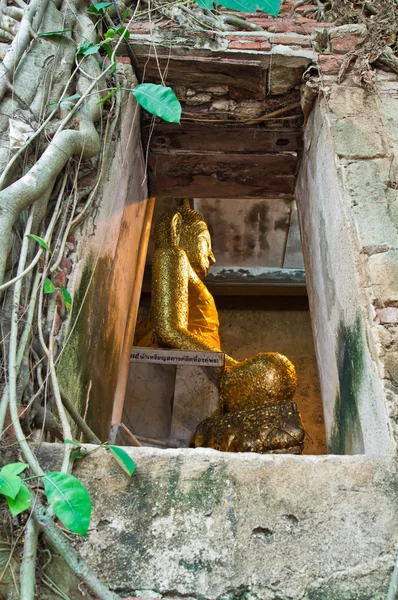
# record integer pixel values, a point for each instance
(255, 411)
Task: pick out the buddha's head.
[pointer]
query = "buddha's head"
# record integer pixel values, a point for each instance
(185, 228)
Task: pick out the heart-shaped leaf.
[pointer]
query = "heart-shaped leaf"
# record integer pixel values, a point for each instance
(69, 500)
(123, 459)
(14, 468)
(206, 4)
(272, 7)
(99, 7)
(10, 484)
(48, 286)
(21, 501)
(87, 48)
(158, 100)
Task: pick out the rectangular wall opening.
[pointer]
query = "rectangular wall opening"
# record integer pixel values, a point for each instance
(258, 283)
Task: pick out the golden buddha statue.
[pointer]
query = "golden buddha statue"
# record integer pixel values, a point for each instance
(256, 412)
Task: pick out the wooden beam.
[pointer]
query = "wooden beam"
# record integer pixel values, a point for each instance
(202, 73)
(196, 137)
(222, 175)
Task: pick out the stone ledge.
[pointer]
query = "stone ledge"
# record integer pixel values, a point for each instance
(211, 525)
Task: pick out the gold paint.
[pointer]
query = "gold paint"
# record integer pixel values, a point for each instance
(183, 315)
(274, 427)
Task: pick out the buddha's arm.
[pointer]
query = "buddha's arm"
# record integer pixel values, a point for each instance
(170, 302)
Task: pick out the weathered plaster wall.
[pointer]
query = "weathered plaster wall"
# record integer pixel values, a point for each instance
(205, 525)
(346, 203)
(110, 250)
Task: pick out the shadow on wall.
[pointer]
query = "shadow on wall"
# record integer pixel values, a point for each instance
(347, 437)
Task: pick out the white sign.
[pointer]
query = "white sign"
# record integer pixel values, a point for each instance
(177, 357)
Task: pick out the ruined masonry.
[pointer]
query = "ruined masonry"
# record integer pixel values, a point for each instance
(203, 525)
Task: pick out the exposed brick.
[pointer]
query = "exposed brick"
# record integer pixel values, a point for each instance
(292, 40)
(388, 315)
(124, 60)
(329, 63)
(343, 45)
(303, 8)
(345, 38)
(66, 265)
(60, 279)
(249, 45)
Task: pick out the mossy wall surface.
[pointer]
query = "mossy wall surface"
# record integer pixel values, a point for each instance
(206, 525)
(333, 210)
(106, 279)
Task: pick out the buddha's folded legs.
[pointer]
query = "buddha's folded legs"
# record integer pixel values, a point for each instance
(268, 377)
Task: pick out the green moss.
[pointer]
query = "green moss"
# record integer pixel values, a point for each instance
(208, 489)
(347, 437)
(333, 591)
(73, 368)
(92, 352)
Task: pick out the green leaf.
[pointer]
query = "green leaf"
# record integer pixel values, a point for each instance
(67, 298)
(99, 7)
(207, 4)
(53, 33)
(126, 14)
(10, 484)
(48, 286)
(241, 5)
(87, 48)
(110, 33)
(69, 500)
(39, 240)
(105, 98)
(272, 7)
(72, 443)
(158, 100)
(123, 459)
(122, 32)
(21, 501)
(14, 468)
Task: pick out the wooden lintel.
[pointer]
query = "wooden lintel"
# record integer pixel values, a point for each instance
(194, 137)
(204, 72)
(222, 175)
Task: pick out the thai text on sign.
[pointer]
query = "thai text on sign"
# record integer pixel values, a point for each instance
(177, 357)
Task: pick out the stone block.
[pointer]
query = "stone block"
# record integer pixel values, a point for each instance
(369, 202)
(391, 365)
(383, 270)
(388, 315)
(347, 101)
(282, 79)
(359, 137)
(204, 524)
